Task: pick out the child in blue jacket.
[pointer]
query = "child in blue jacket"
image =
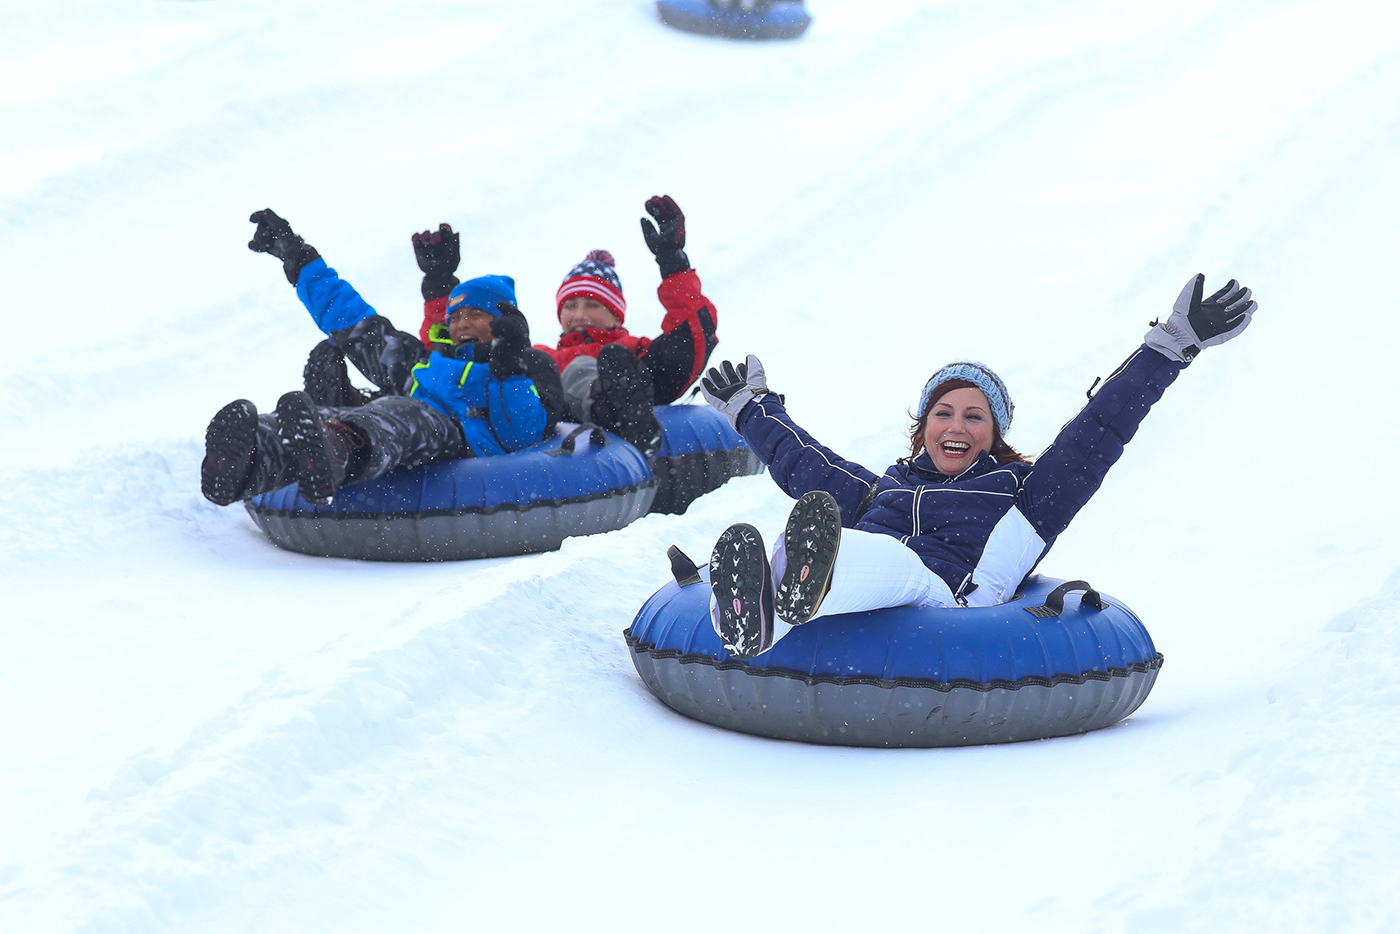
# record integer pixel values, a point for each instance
(481, 400)
(961, 520)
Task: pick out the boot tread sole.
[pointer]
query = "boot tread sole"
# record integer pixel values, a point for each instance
(230, 445)
(742, 583)
(811, 541)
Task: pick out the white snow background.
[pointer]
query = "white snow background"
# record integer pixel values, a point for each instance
(204, 733)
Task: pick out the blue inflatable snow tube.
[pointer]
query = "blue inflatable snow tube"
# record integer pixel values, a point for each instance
(475, 508)
(768, 19)
(1047, 663)
(514, 504)
(700, 451)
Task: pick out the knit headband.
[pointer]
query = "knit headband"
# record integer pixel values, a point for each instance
(984, 379)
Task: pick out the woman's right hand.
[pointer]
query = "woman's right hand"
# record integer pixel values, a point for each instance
(730, 388)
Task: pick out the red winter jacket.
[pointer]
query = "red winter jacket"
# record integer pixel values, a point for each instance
(687, 335)
(434, 312)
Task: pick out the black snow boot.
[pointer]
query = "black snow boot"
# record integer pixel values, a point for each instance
(623, 399)
(230, 447)
(811, 541)
(742, 583)
(319, 455)
(327, 379)
(350, 447)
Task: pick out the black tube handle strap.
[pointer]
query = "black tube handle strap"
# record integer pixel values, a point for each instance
(596, 436)
(1055, 602)
(685, 571)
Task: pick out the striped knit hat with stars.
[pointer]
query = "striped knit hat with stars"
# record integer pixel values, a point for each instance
(594, 278)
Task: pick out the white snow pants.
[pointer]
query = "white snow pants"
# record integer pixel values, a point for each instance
(872, 571)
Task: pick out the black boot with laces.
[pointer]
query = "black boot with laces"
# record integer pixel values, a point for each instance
(320, 456)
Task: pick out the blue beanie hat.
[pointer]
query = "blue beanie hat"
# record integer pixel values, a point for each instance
(482, 292)
(984, 379)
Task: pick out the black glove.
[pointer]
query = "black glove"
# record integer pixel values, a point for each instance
(274, 235)
(438, 252)
(510, 337)
(668, 243)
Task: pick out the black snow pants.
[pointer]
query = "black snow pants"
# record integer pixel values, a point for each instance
(327, 379)
(401, 433)
(385, 356)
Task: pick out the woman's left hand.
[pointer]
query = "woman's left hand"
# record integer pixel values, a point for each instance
(1196, 323)
(730, 388)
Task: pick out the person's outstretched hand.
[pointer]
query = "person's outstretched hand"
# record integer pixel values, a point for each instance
(438, 252)
(1196, 323)
(275, 236)
(510, 338)
(666, 239)
(730, 388)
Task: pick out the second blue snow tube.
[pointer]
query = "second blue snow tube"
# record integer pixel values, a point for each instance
(484, 507)
(1046, 663)
(699, 452)
(513, 504)
(765, 19)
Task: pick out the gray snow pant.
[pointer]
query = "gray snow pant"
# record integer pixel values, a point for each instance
(402, 432)
(578, 379)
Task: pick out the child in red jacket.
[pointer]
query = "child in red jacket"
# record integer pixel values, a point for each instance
(611, 378)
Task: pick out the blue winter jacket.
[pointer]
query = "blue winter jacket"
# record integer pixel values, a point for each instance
(497, 416)
(984, 530)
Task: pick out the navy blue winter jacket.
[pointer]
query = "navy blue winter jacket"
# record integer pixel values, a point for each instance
(991, 524)
(497, 416)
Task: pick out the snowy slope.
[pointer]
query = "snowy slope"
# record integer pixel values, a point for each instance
(206, 733)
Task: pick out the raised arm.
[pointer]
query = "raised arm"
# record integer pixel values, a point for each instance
(688, 332)
(796, 461)
(1074, 466)
(438, 253)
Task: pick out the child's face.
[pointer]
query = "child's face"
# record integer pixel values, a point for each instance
(469, 324)
(578, 313)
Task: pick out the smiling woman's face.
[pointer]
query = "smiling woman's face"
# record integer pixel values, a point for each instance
(959, 429)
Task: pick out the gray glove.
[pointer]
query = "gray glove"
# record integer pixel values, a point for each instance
(729, 389)
(1195, 323)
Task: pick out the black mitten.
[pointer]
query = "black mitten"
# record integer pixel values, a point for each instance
(274, 235)
(510, 338)
(666, 240)
(508, 310)
(438, 252)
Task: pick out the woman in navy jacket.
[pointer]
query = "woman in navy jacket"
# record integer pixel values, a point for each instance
(964, 518)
